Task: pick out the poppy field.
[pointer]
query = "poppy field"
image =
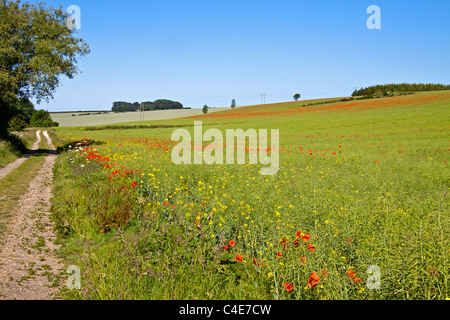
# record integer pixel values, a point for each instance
(359, 208)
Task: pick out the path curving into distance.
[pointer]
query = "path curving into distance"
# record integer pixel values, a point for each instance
(29, 268)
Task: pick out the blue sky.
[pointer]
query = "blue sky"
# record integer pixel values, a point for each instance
(213, 51)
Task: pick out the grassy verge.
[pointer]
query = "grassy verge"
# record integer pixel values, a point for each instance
(16, 145)
(126, 252)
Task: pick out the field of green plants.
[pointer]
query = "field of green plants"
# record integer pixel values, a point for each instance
(362, 186)
(100, 118)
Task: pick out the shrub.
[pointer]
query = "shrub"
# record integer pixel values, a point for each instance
(42, 118)
(17, 123)
(114, 207)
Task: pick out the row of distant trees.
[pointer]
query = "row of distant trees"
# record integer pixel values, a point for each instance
(400, 88)
(161, 104)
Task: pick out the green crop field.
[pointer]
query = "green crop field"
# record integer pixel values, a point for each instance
(359, 208)
(100, 118)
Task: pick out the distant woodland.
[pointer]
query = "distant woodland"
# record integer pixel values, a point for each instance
(162, 104)
(398, 89)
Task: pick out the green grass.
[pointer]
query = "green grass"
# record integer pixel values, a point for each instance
(369, 184)
(16, 145)
(67, 119)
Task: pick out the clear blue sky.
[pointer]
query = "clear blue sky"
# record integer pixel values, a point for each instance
(213, 51)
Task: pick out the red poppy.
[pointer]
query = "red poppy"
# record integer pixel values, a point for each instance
(434, 272)
(311, 248)
(302, 259)
(226, 247)
(279, 254)
(284, 243)
(288, 286)
(238, 258)
(232, 243)
(296, 243)
(356, 279)
(351, 273)
(306, 237)
(255, 263)
(324, 272)
(314, 279)
(134, 184)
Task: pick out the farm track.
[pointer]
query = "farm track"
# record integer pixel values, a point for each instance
(28, 266)
(18, 162)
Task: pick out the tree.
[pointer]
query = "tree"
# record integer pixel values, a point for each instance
(161, 104)
(233, 104)
(42, 118)
(17, 123)
(397, 89)
(148, 106)
(205, 109)
(297, 96)
(12, 108)
(136, 106)
(24, 108)
(36, 49)
(164, 104)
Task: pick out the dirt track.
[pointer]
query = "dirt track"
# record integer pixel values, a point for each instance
(29, 269)
(18, 162)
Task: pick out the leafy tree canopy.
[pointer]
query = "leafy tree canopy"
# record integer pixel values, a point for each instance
(42, 118)
(36, 49)
(384, 89)
(161, 104)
